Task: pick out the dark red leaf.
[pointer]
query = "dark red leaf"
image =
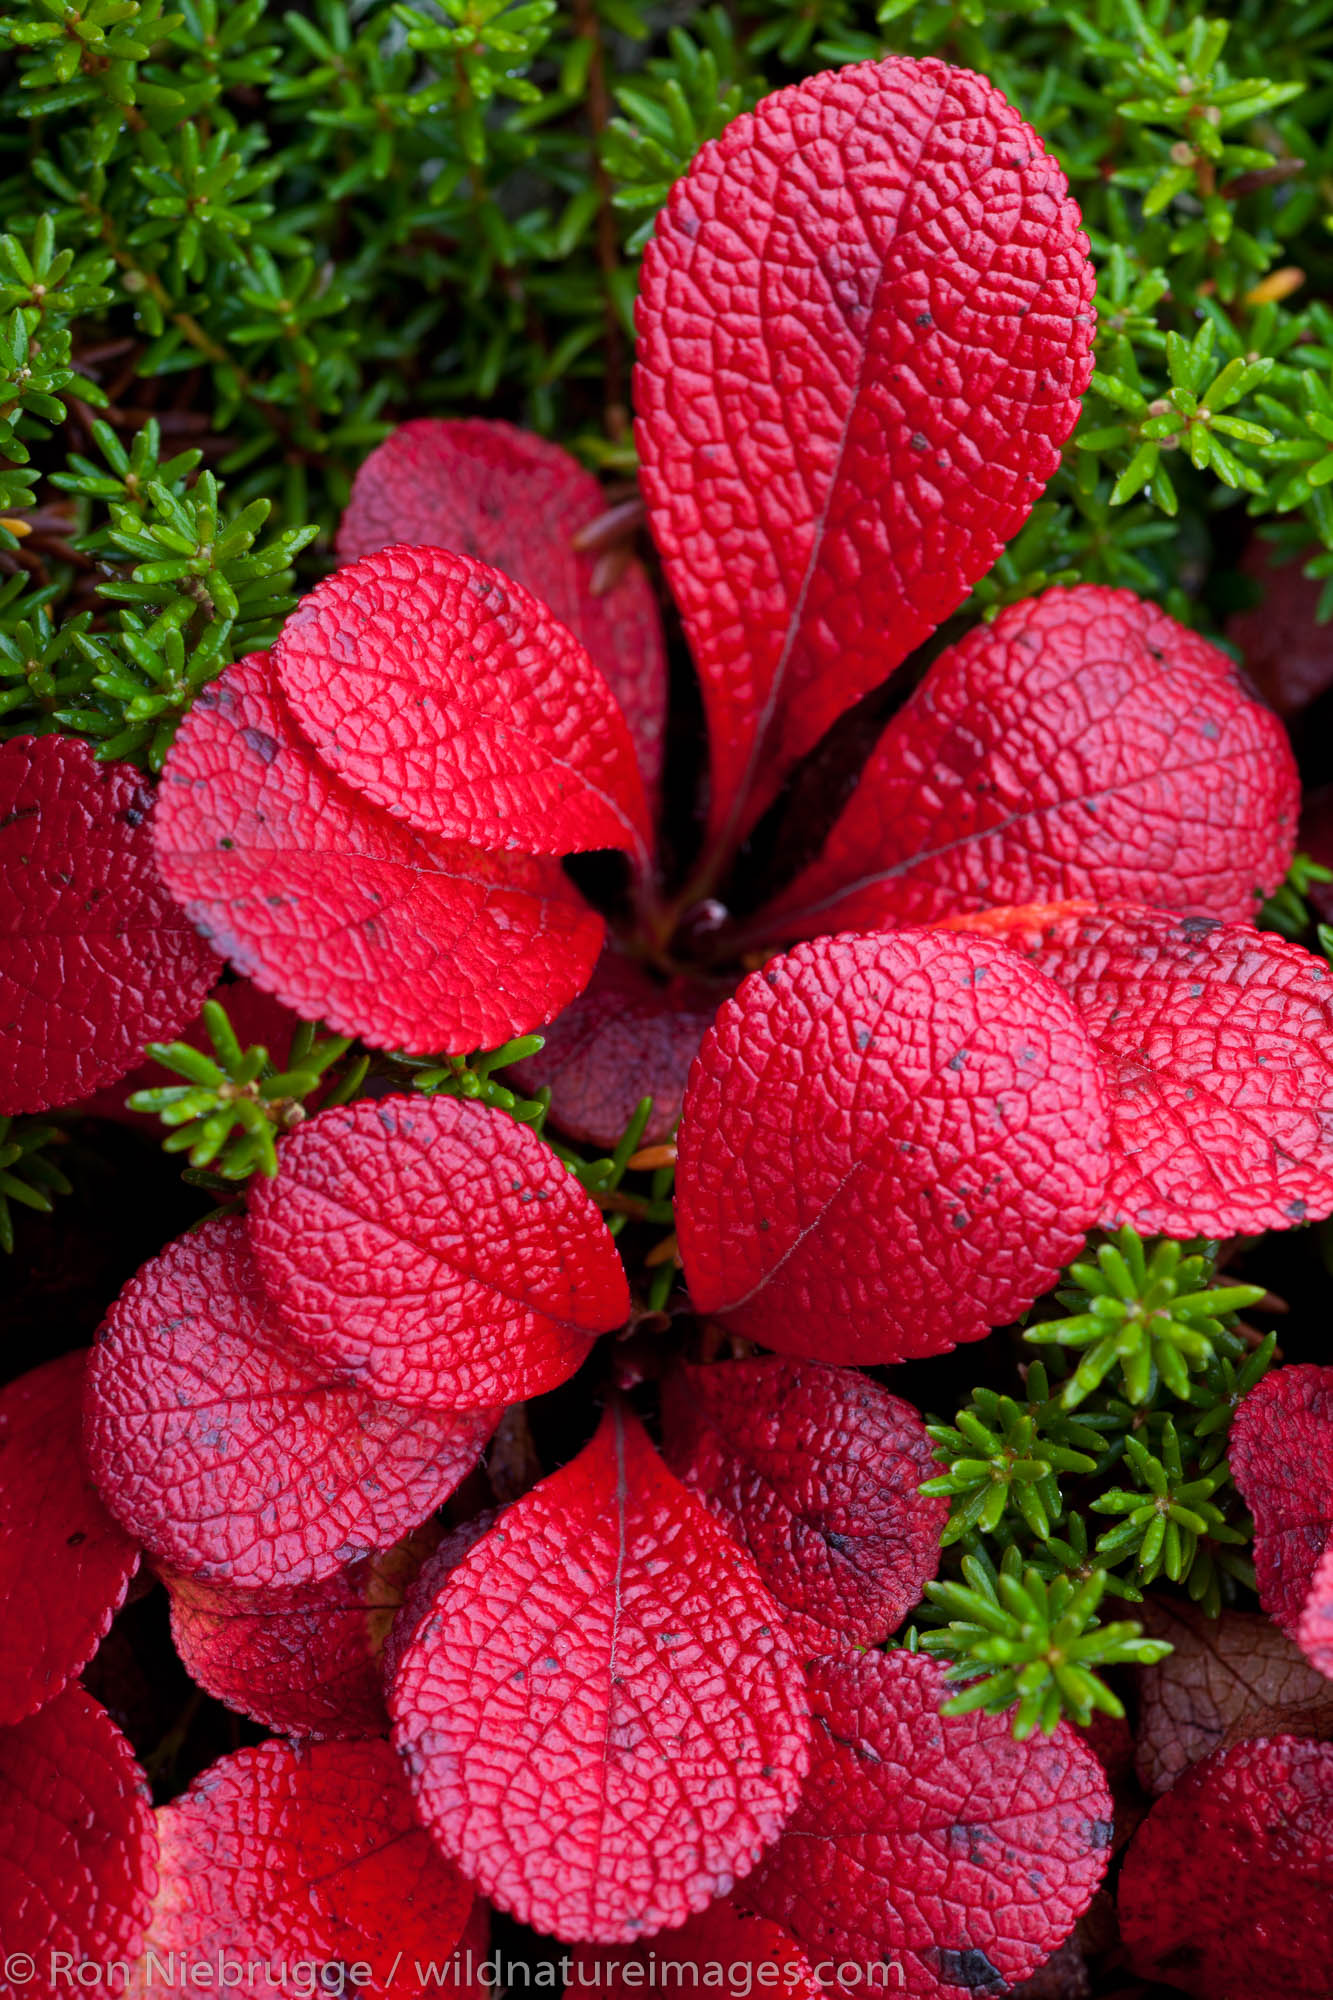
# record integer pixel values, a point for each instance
(603, 1718)
(1225, 1890)
(516, 501)
(95, 958)
(1285, 649)
(889, 1145)
(937, 1843)
(722, 1951)
(435, 1252)
(1085, 744)
(64, 1564)
(448, 695)
(426, 1586)
(865, 322)
(1281, 1455)
(815, 1471)
(306, 1660)
(307, 1853)
(1315, 1629)
(228, 1454)
(626, 1037)
(342, 912)
(78, 1849)
(1218, 1046)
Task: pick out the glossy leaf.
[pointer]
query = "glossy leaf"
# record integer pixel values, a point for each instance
(864, 326)
(1084, 745)
(343, 913)
(95, 958)
(1281, 1455)
(230, 1456)
(815, 1471)
(435, 1252)
(602, 1716)
(889, 1144)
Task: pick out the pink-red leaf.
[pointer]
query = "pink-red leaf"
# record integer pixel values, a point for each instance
(865, 322)
(888, 1145)
(722, 1950)
(516, 501)
(1227, 1887)
(95, 958)
(603, 1718)
(64, 1563)
(345, 914)
(305, 1660)
(78, 1849)
(227, 1453)
(307, 1854)
(626, 1037)
(1085, 744)
(449, 696)
(1218, 1047)
(1314, 1632)
(815, 1471)
(1281, 1455)
(937, 1843)
(435, 1252)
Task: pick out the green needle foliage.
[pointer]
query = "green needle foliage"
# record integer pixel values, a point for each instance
(26, 1175)
(1166, 1513)
(1005, 1455)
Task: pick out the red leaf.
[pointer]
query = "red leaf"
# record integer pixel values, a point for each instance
(227, 1453)
(64, 1564)
(1314, 1632)
(1286, 650)
(936, 1843)
(427, 1585)
(78, 1849)
(256, 1017)
(865, 322)
(603, 1719)
(721, 1950)
(516, 501)
(815, 1471)
(95, 959)
(343, 913)
(435, 1252)
(889, 1145)
(307, 1853)
(1218, 1047)
(1225, 1888)
(626, 1037)
(1281, 1455)
(449, 696)
(304, 1660)
(1085, 744)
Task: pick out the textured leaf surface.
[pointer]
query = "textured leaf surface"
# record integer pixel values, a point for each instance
(229, 1455)
(938, 1843)
(1218, 1046)
(78, 1848)
(345, 914)
(1281, 1456)
(889, 1144)
(1227, 1678)
(435, 1252)
(864, 326)
(1084, 745)
(722, 1950)
(815, 1471)
(626, 1037)
(1315, 1630)
(1225, 1890)
(95, 958)
(65, 1565)
(515, 501)
(309, 1853)
(256, 1017)
(603, 1718)
(452, 697)
(419, 1599)
(306, 1660)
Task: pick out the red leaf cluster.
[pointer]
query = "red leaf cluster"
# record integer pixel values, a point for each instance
(1281, 1455)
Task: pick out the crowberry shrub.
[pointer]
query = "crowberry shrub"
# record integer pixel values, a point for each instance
(727, 1646)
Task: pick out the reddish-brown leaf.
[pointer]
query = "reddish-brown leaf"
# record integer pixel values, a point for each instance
(889, 1145)
(228, 1454)
(815, 1471)
(865, 322)
(1281, 1456)
(602, 1715)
